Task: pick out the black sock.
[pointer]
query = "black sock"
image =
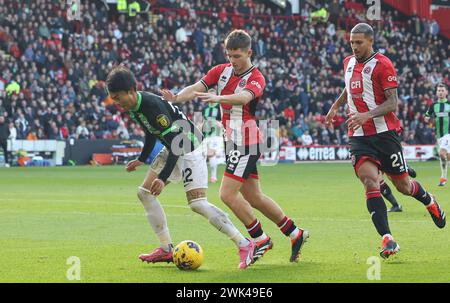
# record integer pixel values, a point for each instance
(255, 229)
(378, 211)
(287, 226)
(387, 193)
(419, 193)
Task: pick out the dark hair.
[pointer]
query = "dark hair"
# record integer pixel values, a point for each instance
(442, 85)
(363, 28)
(238, 39)
(120, 78)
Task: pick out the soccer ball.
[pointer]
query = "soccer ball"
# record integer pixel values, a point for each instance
(188, 255)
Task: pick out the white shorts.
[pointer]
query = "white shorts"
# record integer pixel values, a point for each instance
(444, 143)
(216, 144)
(190, 168)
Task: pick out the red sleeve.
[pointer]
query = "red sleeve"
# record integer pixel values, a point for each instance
(255, 85)
(387, 75)
(212, 76)
(346, 60)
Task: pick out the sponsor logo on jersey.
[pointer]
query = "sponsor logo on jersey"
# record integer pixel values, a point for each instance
(147, 125)
(255, 83)
(162, 120)
(242, 83)
(392, 78)
(367, 70)
(223, 78)
(349, 69)
(442, 114)
(355, 84)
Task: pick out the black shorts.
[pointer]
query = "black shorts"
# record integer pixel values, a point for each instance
(384, 150)
(241, 161)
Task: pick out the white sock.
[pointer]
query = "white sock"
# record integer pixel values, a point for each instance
(156, 217)
(389, 236)
(262, 237)
(241, 242)
(294, 233)
(213, 165)
(443, 168)
(218, 219)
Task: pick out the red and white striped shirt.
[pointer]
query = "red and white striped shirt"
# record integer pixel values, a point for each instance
(365, 84)
(238, 120)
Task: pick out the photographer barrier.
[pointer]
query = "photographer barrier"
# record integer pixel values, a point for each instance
(80, 152)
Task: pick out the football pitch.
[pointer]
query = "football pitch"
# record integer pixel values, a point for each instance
(48, 215)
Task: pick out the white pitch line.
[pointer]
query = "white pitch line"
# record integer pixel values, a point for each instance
(192, 214)
(92, 201)
(93, 213)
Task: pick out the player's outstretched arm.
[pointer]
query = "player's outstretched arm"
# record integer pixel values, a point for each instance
(131, 165)
(241, 98)
(329, 119)
(186, 94)
(150, 141)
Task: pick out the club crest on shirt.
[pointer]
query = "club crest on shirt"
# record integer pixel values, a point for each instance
(242, 83)
(367, 70)
(162, 120)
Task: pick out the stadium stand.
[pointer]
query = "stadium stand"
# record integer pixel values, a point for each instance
(53, 70)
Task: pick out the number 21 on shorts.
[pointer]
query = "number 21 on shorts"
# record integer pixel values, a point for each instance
(397, 160)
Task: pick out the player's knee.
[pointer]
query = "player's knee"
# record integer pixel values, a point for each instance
(254, 199)
(198, 206)
(203, 207)
(227, 197)
(215, 216)
(148, 200)
(145, 195)
(206, 209)
(370, 182)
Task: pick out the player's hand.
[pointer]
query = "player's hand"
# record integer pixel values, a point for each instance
(156, 187)
(208, 97)
(131, 166)
(329, 119)
(168, 95)
(356, 120)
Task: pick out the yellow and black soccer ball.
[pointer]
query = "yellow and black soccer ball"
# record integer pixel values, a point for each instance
(188, 255)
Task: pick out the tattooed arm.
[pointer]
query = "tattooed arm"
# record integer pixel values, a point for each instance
(356, 120)
(390, 105)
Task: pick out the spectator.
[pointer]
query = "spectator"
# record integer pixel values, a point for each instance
(306, 138)
(60, 67)
(82, 131)
(12, 132)
(122, 131)
(4, 135)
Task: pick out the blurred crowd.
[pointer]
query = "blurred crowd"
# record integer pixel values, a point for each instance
(52, 69)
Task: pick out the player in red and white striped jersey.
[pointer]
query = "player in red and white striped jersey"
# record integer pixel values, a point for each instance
(371, 96)
(240, 85)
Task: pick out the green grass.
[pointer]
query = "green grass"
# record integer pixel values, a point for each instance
(50, 214)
